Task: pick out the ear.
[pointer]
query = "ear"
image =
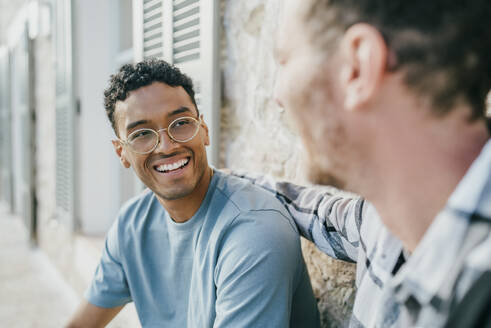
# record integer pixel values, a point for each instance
(365, 58)
(205, 127)
(118, 148)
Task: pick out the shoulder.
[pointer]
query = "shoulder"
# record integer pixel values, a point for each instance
(253, 203)
(262, 230)
(129, 223)
(371, 226)
(136, 206)
(260, 222)
(262, 244)
(134, 214)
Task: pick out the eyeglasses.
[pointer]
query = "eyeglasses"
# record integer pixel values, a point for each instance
(144, 141)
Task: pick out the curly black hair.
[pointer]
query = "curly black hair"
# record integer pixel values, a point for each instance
(134, 76)
(442, 46)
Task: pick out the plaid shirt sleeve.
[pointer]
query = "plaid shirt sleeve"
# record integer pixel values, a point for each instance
(331, 221)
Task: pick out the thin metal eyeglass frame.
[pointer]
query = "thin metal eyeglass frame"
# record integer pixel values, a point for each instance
(157, 132)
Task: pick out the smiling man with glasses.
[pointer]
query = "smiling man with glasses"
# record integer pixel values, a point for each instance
(200, 248)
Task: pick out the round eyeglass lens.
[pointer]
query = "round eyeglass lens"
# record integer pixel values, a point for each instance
(143, 140)
(183, 129)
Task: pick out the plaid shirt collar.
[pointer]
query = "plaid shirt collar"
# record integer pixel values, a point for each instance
(427, 269)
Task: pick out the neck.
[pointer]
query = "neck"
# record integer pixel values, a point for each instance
(415, 176)
(183, 209)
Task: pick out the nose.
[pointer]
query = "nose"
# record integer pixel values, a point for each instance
(165, 142)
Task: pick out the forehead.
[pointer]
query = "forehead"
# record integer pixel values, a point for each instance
(152, 103)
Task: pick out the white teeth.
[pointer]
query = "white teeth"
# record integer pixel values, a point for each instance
(173, 166)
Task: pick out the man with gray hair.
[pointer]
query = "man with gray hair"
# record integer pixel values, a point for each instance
(389, 99)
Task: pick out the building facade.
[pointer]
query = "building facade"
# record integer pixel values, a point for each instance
(58, 170)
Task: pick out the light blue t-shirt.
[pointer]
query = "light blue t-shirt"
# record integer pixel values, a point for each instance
(236, 263)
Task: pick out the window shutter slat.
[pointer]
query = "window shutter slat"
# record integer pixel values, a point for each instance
(65, 115)
(186, 31)
(152, 29)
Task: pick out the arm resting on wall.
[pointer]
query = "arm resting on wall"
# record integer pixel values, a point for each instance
(332, 222)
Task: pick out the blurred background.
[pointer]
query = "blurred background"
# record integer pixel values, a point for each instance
(61, 184)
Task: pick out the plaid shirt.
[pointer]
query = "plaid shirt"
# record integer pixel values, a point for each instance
(395, 290)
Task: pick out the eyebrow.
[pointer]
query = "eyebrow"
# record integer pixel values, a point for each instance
(180, 110)
(136, 123)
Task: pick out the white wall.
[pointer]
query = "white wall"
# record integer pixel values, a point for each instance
(97, 163)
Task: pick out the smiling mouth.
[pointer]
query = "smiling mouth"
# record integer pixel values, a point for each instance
(166, 168)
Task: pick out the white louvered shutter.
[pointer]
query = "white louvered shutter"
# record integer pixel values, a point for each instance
(23, 134)
(185, 33)
(65, 115)
(6, 191)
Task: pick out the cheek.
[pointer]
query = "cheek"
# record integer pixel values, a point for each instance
(138, 162)
(297, 85)
(198, 146)
(199, 142)
(313, 117)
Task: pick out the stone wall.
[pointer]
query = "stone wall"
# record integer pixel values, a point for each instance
(258, 136)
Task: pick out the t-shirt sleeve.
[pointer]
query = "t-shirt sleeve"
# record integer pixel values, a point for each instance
(258, 268)
(109, 287)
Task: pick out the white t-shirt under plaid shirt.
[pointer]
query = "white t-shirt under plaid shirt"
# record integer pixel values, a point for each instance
(393, 290)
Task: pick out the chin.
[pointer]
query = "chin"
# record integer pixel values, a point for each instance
(174, 193)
